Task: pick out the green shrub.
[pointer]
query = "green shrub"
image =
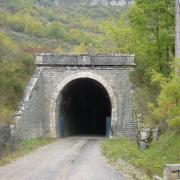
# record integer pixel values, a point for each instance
(7, 47)
(15, 69)
(15, 23)
(169, 103)
(55, 30)
(34, 26)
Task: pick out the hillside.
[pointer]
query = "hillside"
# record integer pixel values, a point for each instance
(54, 24)
(145, 29)
(31, 26)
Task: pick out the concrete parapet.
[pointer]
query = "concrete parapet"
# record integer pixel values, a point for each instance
(85, 60)
(171, 172)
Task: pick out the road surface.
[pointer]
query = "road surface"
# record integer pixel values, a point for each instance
(75, 158)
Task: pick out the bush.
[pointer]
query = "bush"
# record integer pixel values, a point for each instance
(152, 160)
(15, 23)
(55, 30)
(7, 47)
(26, 23)
(15, 69)
(169, 103)
(34, 27)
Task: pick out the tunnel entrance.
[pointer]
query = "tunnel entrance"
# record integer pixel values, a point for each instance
(84, 109)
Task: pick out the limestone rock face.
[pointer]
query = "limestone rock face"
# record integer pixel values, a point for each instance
(91, 3)
(111, 2)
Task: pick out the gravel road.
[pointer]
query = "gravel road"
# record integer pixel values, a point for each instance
(75, 158)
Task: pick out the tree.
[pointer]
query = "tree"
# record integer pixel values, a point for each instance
(168, 103)
(146, 30)
(34, 26)
(55, 30)
(155, 21)
(15, 23)
(7, 47)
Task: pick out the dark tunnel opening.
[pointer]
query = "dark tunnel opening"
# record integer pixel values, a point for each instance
(85, 108)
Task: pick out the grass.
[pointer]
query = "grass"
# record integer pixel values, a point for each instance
(24, 148)
(151, 160)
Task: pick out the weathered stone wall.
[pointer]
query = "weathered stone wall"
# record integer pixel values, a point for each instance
(35, 118)
(117, 78)
(30, 118)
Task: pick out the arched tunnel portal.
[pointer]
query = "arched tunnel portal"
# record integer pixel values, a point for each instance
(84, 108)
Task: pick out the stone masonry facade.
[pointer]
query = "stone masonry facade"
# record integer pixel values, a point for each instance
(37, 115)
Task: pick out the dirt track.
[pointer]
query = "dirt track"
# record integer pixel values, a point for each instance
(75, 158)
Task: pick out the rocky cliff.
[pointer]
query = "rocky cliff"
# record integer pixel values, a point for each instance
(88, 2)
(111, 2)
